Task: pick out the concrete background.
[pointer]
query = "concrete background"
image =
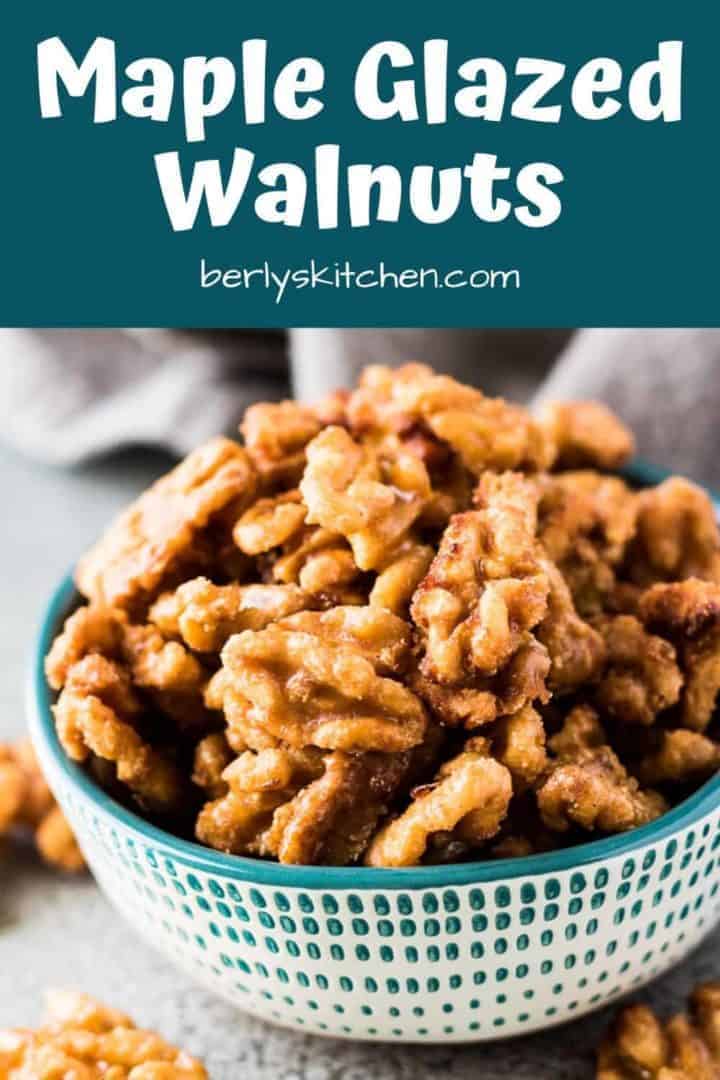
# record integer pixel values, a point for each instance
(58, 932)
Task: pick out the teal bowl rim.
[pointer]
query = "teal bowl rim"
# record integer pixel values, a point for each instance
(240, 867)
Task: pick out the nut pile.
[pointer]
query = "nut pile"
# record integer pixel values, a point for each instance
(408, 624)
(685, 1048)
(83, 1039)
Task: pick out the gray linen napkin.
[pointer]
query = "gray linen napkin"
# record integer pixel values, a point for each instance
(69, 395)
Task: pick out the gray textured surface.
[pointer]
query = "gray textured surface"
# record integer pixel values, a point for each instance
(62, 933)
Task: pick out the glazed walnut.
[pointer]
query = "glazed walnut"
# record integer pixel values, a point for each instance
(576, 650)
(27, 805)
(586, 521)
(677, 535)
(162, 533)
(486, 588)
(586, 434)
(469, 797)
(587, 786)
(641, 677)
(275, 435)
(684, 1048)
(485, 433)
(371, 500)
(306, 690)
(96, 713)
(205, 615)
(688, 614)
(85, 1040)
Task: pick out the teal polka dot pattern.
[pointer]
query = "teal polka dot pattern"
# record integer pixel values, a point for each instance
(427, 964)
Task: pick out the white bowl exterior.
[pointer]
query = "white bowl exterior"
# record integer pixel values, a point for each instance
(448, 964)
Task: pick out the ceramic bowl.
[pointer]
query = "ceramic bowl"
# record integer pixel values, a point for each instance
(457, 953)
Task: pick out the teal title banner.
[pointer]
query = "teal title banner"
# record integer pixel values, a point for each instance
(314, 164)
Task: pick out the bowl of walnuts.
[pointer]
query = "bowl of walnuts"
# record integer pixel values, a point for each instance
(396, 719)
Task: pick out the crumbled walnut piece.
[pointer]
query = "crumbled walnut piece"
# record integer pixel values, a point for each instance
(576, 650)
(83, 1040)
(320, 561)
(373, 501)
(27, 804)
(588, 786)
(518, 742)
(307, 690)
(581, 730)
(679, 756)
(485, 588)
(94, 715)
(331, 820)
(269, 523)
(400, 576)
(638, 1046)
(642, 677)
(276, 434)
(383, 638)
(156, 536)
(206, 615)
(677, 535)
(470, 797)
(586, 521)
(587, 435)
(257, 784)
(485, 433)
(521, 682)
(212, 756)
(90, 629)
(688, 613)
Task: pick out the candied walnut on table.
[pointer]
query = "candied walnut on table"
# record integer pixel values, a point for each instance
(84, 1040)
(637, 1044)
(160, 535)
(466, 803)
(370, 499)
(205, 615)
(306, 689)
(27, 805)
(641, 678)
(688, 614)
(485, 433)
(588, 786)
(677, 535)
(586, 434)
